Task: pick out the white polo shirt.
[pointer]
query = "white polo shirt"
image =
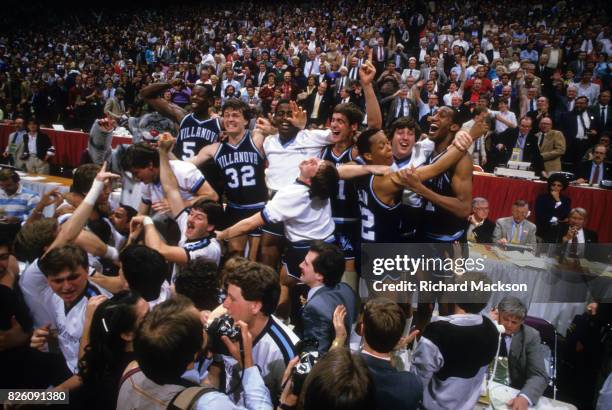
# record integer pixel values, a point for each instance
(284, 160)
(188, 177)
(304, 218)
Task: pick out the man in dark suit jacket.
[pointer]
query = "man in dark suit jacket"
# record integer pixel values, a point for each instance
(321, 271)
(37, 162)
(380, 56)
(592, 172)
(603, 112)
(382, 327)
(521, 345)
(321, 99)
(397, 105)
(481, 227)
(573, 236)
(578, 141)
(520, 138)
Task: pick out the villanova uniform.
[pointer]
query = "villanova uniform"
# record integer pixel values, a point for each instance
(438, 224)
(411, 205)
(345, 211)
(243, 171)
(194, 135)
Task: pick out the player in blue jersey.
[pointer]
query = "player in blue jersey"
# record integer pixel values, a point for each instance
(197, 129)
(241, 163)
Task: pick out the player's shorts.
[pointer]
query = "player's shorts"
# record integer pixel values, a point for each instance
(295, 252)
(234, 215)
(347, 238)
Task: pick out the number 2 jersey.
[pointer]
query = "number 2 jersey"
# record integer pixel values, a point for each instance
(194, 135)
(243, 169)
(379, 222)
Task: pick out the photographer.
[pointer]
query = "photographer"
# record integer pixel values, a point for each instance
(167, 344)
(253, 291)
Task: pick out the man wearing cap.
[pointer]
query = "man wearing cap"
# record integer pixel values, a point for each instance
(399, 58)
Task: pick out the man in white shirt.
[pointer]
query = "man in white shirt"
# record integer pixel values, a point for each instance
(574, 236)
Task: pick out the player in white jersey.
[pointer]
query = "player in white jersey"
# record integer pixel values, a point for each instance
(196, 223)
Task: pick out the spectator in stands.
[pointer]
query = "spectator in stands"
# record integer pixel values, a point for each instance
(519, 144)
(579, 129)
(14, 146)
(480, 227)
(574, 236)
(516, 229)
(37, 149)
(114, 106)
(552, 145)
(552, 209)
(594, 171)
(321, 271)
(521, 345)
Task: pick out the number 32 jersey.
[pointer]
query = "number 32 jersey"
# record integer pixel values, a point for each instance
(243, 169)
(194, 135)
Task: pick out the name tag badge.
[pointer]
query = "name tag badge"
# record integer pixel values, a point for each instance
(516, 154)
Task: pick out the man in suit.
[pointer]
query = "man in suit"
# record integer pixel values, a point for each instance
(37, 149)
(399, 58)
(382, 328)
(262, 75)
(481, 227)
(519, 144)
(579, 129)
(552, 145)
(515, 229)
(603, 112)
(321, 271)
(573, 236)
(115, 106)
(380, 55)
(522, 346)
(513, 102)
(399, 105)
(318, 106)
(592, 172)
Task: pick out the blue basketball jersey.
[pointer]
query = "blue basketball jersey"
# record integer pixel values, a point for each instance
(194, 135)
(344, 205)
(379, 221)
(243, 170)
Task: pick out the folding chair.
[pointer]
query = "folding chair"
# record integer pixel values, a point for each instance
(548, 335)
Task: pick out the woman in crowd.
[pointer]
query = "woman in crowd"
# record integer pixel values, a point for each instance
(552, 209)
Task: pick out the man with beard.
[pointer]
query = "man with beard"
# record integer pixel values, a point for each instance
(197, 129)
(579, 129)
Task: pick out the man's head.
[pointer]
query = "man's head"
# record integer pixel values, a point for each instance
(281, 119)
(345, 121)
(480, 208)
(253, 290)
(144, 269)
(203, 217)
(545, 124)
(19, 124)
(322, 88)
(9, 181)
(383, 324)
(322, 265)
(511, 313)
(198, 281)
(520, 210)
(404, 133)
(66, 270)
(83, 179)
(168, 340)
(201, 98)
(444, 124)
(604, 97)
(525, 125)
(236, 116)
(577, 217)
(599, 154)
(33, 239)
(121, 218)
(321, 176)
(374, 147)
(581, 104)
(143, 162)
(542, 104)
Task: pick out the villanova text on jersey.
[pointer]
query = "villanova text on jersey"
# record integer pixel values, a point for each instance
(194, 135)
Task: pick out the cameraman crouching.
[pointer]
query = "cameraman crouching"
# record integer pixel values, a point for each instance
(166, 345)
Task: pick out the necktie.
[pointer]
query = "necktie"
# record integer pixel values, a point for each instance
(402, 107)
(603, 115)
(574, 246)
(595, 175)
(310, 68)
(503, 350)
(540, 139)
(380, 54)
(532, 106)
(410, 74)
(516, 235)
(397, 61)
(584, 128)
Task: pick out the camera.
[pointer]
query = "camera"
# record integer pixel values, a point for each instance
(222, 326)
(309, 355)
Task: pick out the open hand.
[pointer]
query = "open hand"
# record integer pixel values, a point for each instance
(298, 116)
(338, 321)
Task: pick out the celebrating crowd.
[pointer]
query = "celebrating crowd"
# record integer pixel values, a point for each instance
(270, 142)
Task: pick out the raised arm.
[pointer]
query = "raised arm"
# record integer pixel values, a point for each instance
(151, 95)
(167, 178)
(366, 75)
(242, 227)
(348, 171)
(174, 254)
(71, 228)
(205, 154)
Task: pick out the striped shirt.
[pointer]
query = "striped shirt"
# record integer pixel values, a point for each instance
(20, 204)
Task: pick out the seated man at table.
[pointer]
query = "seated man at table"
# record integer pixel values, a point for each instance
(592, 172)
(521, 345)
(16, 201)
(516, 229)
(573, 235)
(481, 227)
